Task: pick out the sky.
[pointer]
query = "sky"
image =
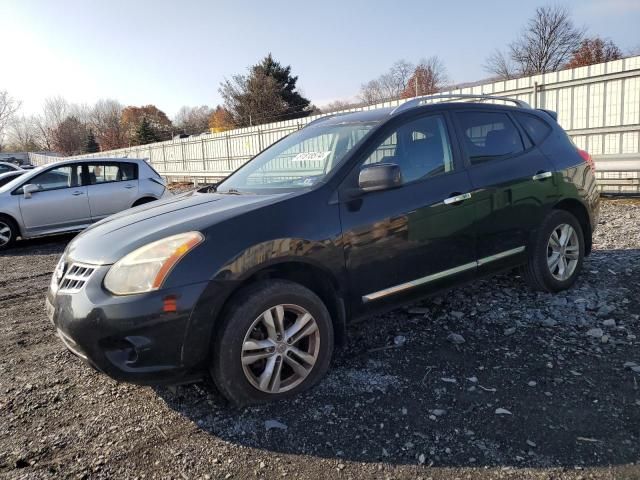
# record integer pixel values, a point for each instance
(172, 53)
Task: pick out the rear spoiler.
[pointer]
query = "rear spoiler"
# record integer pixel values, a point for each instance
(551, 113)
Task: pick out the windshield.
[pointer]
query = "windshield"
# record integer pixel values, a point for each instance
(301, 160)
(17, 181)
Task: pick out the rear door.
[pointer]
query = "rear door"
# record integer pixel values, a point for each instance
(60, 204)
(513, 184)
(402, 242)
(113, 187)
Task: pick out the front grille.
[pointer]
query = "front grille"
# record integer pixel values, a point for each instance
(76, 276)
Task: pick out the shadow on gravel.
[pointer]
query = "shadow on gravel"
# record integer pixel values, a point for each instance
(533, 384)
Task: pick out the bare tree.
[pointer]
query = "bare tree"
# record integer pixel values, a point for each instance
(546, 45)
(389, 85)
(54, 112)
(337, 105)
(105, 120)
(547, 42)
(22, 134)
(500, 65)
(193, 119)
(8, 107)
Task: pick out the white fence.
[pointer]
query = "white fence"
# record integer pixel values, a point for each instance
(598, 105)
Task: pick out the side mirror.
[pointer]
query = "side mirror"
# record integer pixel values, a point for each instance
(29, 188)
(379, 176)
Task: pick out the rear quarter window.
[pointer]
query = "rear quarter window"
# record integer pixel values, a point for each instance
(536, 129)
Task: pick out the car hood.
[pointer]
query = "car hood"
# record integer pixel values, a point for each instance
(109, 240)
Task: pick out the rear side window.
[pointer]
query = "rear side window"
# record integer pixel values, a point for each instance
(111, 172)
(537, 129)
(489, 136)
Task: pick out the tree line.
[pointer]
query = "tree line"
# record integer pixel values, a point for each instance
(269, 92)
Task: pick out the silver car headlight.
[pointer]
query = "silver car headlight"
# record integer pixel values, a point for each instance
(146, 268)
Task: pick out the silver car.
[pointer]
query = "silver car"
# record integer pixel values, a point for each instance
(8, 167)
(71, 195)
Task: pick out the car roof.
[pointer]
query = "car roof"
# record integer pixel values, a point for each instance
(380, 115)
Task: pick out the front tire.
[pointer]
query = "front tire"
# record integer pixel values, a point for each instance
(556, 257)
(275, 341)
(8, 232)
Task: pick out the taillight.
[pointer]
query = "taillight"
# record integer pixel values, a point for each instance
(587, 158)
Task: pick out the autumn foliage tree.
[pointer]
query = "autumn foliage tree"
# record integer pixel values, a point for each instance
(221, 120)
(157, 123)
(429, 77)
(69, 137)
(594, 50)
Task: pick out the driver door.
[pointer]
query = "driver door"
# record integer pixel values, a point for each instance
(404, 242)
(60, 204)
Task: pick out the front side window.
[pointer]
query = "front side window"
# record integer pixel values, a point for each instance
(421, 149)
(302, 159)
(110, 172)
(489, 136)
(60, 177)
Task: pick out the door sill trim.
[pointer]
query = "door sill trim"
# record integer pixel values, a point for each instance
(437, 276)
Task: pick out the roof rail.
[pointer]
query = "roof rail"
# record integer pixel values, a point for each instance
(420, 101)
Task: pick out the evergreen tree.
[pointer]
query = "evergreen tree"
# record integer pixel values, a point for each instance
(90, 145)
(145, 133)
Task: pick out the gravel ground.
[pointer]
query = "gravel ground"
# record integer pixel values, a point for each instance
(486, 381)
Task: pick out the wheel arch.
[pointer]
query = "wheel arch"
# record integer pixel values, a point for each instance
(308, 274)
(579, 210)
(143, 200)
(15, 222)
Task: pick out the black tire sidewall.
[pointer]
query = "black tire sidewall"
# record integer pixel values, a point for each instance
(225, 365)
(555, 219)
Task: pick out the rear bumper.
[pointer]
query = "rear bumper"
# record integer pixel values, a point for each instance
(159, 337)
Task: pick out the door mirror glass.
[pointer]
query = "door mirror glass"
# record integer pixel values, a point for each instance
(379, 176)
(30, 188)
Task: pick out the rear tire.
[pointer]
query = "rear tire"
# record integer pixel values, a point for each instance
(557, 253)
(8, 232)
(275, 341)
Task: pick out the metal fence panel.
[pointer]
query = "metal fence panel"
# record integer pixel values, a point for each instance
(598, 105)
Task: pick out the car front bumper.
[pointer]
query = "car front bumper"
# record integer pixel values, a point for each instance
(152, 338)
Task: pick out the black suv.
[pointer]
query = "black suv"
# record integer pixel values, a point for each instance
(352, 215)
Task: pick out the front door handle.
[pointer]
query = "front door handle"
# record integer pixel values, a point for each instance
(75, 194)
(542, 175)
(457, 198)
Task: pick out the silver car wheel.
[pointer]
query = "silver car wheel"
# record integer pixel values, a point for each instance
(281, 348)
(563, 252)
(5, 234)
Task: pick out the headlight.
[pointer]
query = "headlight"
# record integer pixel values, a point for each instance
(146, 268)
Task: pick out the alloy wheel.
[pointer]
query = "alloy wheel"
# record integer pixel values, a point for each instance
(5, 234)
(563, 252)
(281, 348)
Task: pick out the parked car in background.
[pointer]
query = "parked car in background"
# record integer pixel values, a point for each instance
(8, 167)
(352, 215)
(10, 175)
(71, 195)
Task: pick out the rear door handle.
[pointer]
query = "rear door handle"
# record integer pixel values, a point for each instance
(457, 198)
(75, 194)
(542, 175)
(128, 186)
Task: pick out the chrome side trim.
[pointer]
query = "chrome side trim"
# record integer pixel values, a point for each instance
(437, 276)
(498, 256)
(419, 281)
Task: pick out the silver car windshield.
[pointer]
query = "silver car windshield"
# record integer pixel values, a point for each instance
(301, 160)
